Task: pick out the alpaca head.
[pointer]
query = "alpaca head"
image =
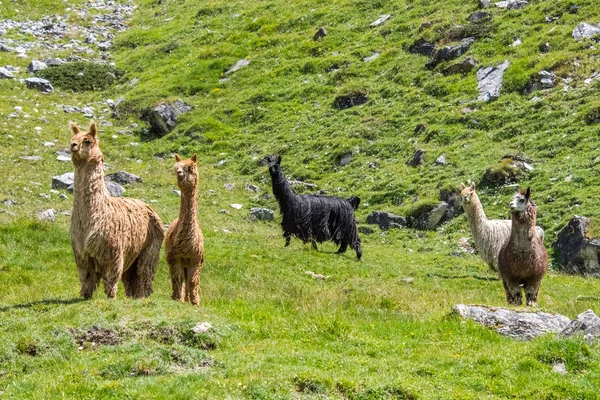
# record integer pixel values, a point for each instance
(467, 193)
(85, 146)
(187, 171)
(274, 164)
(521, 201)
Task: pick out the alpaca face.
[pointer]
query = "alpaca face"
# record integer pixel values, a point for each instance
(520, 201)
(467, 193)
(274, 163)
(85, 145)
(186, 171)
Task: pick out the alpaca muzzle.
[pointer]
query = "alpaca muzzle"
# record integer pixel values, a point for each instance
(74, 147)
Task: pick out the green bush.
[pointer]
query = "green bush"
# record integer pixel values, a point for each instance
(81, 76)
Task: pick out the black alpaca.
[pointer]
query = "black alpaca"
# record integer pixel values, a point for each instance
(313, 218)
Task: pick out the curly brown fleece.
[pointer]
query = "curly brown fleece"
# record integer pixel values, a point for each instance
(112, 238)
(185, 243)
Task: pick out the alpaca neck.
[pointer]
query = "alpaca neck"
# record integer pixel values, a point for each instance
(523, 227)
(188, 209)
(90, 192)
(281, 189)
(475, 214)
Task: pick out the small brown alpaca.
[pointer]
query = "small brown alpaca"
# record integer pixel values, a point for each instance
(112, 238)
(185, 243)
(523, 260)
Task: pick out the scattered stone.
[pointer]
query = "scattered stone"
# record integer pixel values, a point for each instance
(489, 81)
(441, 160)
(124, 178)
(417, 159)
(317, 276)
(345, 101)
(88, 112)
(202, 328)
(114, 189)
(515, 324)
(236, 206)
(321, 33)
(251, 188)
(36, 66)
(559, 368)
(104, 46)
(5, 74)
(63, 196)
(485, 3)
(177, 192)
(380, 20)
(542, 81)
(586, 323)
(229, 186)
(422, 47)
(40, 84)
(372, 57)
(63, 157)
(345, 159)
(462, 67)
(577, 252)
(386, 220)
(592, 78)
(53, 62)
(9, 202)
(449, 52)
(263, 214)
(97, 335)
(516, 43)
(407, 280)
(31, 158)
(453, 200)
(238, 65)
(478, 16)
(512, 4)
(63, 181)
(430, 220)
(6, 48)
(47, 215)
(163, 118)
(585, 30)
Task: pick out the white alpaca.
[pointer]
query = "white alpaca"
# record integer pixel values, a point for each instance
(489, 235)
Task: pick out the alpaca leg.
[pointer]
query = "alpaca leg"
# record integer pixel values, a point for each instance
(112, 274)
(177, 273)
(314, 245)
(147, 263)
(531, 292)
(358, 251)
(129, 278)
(87, 276)
(192, 283)
(343, 248)
(288, 237)
(513, 293)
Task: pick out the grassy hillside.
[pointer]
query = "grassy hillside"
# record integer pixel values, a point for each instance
(376, 329)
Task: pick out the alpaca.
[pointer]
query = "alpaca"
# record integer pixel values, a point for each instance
(112, 238)
(488, 235)
(313, 218)
(523, 259)
(185, 243)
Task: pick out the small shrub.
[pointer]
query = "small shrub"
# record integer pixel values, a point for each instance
(80, 76)
(501, 173)
(311, 385)
(28, 346)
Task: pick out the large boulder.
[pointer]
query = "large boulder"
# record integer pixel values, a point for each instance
(63, 181)
(454, 204)
(263, 214)
(422, 47)
(6, 74)
(542, 81)
(36, 66)
(586, 324)
(514, 324)
(585, 30)
(489, 81)
(124, 178)
(449, 52)
(577, 253)
(163, 118)
(508, 170)
(431, 219)
(386, 220)
(40, 84)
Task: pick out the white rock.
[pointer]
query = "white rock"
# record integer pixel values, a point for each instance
(202, 328)
(236, 206)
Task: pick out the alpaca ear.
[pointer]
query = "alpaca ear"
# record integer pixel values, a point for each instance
(177, 158)
(278, 159)
(195, 158)
(473, 186)
(74, 128)
(462, 186)
(528, 193)
(93, 130)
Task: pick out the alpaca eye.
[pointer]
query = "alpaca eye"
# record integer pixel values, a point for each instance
(190, 169)
(87, 141)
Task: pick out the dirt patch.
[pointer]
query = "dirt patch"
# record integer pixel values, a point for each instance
(96, 335)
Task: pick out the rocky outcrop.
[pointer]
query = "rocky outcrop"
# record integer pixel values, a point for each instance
(577, 253)
(263, 214)
(508, 170)
(124, 178)
(417, 159)
(40, 84)
(163, 118)
(489, 81)
(462, 67)
(431, 219)
(386, 220)
(585, 30)
(586, 324)
(542, 81)
(515, 324)
(422, 47)
(449, 52)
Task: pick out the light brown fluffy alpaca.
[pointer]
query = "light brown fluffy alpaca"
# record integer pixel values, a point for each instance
(185, 243)
(488, 234)
(112, 238)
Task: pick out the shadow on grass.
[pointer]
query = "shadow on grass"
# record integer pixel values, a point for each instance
(42, 302)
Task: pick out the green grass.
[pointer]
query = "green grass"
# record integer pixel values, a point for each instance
(365, 333)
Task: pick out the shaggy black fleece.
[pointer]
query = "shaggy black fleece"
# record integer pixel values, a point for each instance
(313, 218)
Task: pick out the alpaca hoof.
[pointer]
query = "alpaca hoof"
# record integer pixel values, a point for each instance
(532, 304)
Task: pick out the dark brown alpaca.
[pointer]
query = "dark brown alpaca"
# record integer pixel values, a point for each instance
(523, 260)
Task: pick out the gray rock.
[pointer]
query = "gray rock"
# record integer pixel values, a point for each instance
(53, 62)
(380, 20)
(485, 3)
(577, 252)
(441, 160)
(63, 196)
(585, 30)
(422, 47)
(163, 118)
(229, 186)
(9, 202)
(586, 323)
(417, 159)
(263, 214)
(31, 158)
(104, 46)
(114, 189)
(251, 188)
(124, 178)
(454, 202)
(5, 74)
(87, 112)
(238, 65)
(36, 66)
(47, 215)
(40, 84)
(489, 81)
(386, 220)
(321, 33)
(350, 100)
(6, 48)
(63, 181)
(514, 324)
(478, 16)
(512, 4)
(542, 81)
(431, 219)
(462, 67)
(345, 159)
(372, 57)
(559, 368)
(449, 52)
